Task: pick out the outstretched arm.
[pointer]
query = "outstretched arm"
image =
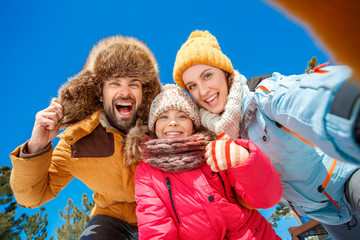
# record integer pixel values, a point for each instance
(321, 108)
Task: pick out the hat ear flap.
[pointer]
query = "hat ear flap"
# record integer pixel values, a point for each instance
(80, 97)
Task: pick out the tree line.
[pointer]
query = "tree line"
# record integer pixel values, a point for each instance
(34, 227)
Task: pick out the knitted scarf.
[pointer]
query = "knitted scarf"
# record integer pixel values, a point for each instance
(176, 155)
(229, 120)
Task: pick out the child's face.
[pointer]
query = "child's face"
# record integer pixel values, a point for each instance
(173, 124)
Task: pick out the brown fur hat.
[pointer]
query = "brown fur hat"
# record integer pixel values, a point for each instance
(115, 56)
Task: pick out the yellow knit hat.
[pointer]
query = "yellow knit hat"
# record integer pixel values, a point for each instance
(200, 48)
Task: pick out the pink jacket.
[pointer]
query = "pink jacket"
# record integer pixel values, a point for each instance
(200, 204)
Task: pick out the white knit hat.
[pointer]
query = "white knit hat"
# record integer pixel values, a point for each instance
(172, 97)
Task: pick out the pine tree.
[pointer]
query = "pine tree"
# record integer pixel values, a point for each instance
(35, 226)
(75, 218)
(10, 228)
(282, 210)
(311, 64)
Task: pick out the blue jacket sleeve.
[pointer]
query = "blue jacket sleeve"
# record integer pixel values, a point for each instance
(302, 104)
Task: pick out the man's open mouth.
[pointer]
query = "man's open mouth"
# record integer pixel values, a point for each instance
(125, 108)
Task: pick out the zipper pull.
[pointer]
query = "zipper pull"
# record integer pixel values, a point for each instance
(168, 183)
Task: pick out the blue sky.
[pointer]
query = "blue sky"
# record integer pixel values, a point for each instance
(43, 43)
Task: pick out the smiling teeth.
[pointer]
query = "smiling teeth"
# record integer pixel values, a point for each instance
(172, 133)
(210, 99)
(123, 104)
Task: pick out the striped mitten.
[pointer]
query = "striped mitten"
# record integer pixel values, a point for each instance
(225, 154)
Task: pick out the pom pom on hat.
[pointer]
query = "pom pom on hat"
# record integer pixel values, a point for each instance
(172, 97)
(200, 48)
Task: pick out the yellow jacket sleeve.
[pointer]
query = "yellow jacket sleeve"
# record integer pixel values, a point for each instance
(40, 178)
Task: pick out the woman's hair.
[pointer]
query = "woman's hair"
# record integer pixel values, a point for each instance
(229, 79)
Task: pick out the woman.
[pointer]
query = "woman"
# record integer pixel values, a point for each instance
(286, 120)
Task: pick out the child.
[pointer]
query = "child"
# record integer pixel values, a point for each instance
(178, 195)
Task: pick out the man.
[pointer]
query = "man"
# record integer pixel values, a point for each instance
(110, 95)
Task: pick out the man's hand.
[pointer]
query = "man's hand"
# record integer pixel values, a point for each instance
(224, 154)
(45, 127)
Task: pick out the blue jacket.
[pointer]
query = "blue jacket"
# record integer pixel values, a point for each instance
(293, 126)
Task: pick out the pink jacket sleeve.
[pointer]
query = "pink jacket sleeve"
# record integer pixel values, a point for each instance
(256, 181)
(154, 220)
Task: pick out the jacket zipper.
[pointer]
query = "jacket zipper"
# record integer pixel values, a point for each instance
(171, 198)
(223, 184)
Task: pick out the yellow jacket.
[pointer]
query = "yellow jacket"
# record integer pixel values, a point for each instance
(91, 151)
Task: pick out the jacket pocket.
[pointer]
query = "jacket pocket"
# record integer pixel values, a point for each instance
(298, 199)
(323, 211)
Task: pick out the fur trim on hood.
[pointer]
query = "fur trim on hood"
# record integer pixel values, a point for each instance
(132, 150)
(112, 57)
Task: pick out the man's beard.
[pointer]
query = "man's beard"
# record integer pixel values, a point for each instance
(123, 123)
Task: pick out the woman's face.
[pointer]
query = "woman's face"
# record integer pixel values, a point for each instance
(208, 86)
(173, 124)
